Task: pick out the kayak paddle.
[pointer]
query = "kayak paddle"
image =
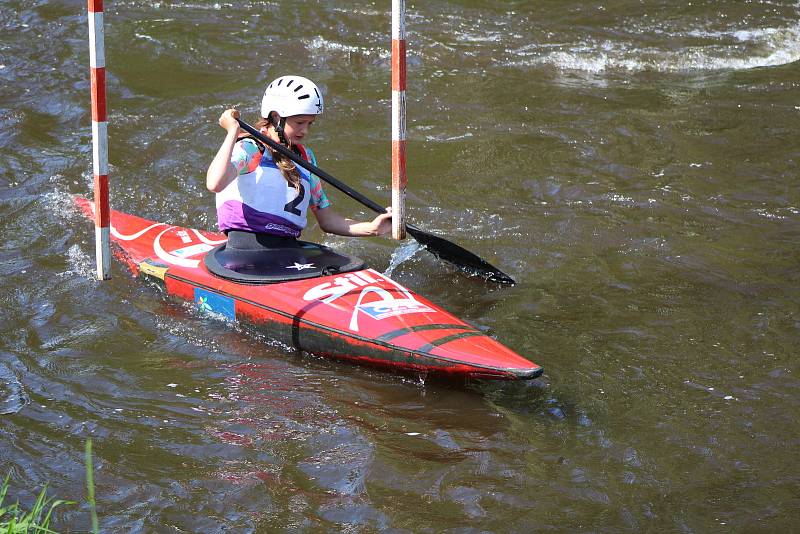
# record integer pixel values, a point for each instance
(438, 246)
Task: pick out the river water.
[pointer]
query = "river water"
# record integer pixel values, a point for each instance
(632, 163)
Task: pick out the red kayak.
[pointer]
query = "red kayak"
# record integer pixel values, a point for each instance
(355, 314)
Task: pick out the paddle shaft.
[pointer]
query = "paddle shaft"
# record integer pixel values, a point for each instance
(310, 167)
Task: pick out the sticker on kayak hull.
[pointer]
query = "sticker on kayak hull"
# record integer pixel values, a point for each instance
(210, 302)
(192, 250)
(373, 301)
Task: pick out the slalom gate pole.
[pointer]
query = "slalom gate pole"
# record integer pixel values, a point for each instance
(102, 212)
(399, 178)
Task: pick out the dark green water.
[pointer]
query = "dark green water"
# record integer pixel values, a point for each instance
(633, 164)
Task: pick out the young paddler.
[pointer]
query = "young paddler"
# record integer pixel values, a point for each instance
(261, 192)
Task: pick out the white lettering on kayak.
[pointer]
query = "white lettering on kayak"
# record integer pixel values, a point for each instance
(169, 258)
(184, 235)
(386, 305)
(192, 250)
(131, 237)
(364, 275)
(208, 241)
(176, 257)
(330, 291)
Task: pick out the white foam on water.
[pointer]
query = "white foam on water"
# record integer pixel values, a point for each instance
(319, 44)
(74, 335)
(445, 137)
(351, 10)
(739, 49)
(480, 37)
(80, 264)
(146, 38)
(767, 214)
(402, 253)
(13, 396)
(60, 203)
(198, 6)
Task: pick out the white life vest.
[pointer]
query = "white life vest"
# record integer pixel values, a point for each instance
(262, 201)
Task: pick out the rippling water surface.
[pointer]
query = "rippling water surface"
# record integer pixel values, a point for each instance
(633, 164)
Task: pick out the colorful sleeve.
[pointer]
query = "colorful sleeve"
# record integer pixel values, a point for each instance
(245, 156)
(319, 200)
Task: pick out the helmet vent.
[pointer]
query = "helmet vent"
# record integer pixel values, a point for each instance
(280, 82)
(298, 88)
(303, 97)
(290, 83)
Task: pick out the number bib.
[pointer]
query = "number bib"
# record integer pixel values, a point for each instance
(263, 201)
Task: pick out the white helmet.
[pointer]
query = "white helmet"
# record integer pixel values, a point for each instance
(292, 95)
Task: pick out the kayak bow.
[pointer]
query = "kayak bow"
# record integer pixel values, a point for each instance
(361, 316)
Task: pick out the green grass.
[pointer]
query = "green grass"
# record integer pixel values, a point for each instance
(90, 485)
(14, 520)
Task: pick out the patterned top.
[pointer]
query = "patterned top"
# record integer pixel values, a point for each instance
(246, 157)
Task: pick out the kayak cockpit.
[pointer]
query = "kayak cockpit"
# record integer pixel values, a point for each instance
(249, 261)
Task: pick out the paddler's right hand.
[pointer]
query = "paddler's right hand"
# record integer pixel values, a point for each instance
(228, 120)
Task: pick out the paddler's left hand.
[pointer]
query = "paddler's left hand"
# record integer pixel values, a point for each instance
(333, 223)
(383, 222)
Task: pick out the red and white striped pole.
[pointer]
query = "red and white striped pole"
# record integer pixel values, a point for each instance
(399, 178)
(102, 215)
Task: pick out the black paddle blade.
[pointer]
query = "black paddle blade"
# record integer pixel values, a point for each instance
(460, 257)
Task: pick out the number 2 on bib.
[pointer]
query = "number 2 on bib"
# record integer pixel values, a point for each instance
(291, 207)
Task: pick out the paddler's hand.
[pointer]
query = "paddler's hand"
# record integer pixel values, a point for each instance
(221, 172)
(228, 120)
(383, 222)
